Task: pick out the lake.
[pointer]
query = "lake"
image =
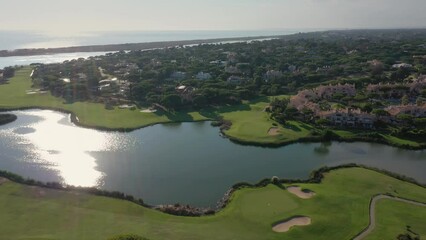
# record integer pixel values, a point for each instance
(188, 163)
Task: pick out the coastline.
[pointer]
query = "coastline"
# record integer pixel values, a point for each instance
(126, 46)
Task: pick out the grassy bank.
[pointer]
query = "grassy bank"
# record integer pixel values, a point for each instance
(250, 123)
(339, 210)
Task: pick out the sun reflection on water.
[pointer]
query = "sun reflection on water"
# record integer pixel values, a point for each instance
(66, 149)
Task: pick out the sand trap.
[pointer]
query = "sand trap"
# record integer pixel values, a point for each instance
(148, 111)
(126, 106)
(36, 91)
(273, 131)
(304, 194)
(2, 180)
(295, 221)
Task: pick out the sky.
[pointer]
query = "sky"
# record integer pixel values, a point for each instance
(72, 16)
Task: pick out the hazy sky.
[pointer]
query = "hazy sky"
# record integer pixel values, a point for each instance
(70, 16)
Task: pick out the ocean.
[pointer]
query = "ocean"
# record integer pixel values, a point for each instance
(10, 40)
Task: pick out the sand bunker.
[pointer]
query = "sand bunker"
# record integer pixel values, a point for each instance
(148, 111)
(295, 221)
(126, 106)
(304, 194)
(36, 91)
(273, 131)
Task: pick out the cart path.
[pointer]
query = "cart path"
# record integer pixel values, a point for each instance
(372, 213)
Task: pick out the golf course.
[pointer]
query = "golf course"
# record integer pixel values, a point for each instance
(250, 123)
(338, 210)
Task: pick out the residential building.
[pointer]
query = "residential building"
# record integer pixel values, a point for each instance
(235, 80)
(203, 76)
(348, 117)
(411, 109)
(330, 90)
(185, 92)
(402, 65)
(273, 74)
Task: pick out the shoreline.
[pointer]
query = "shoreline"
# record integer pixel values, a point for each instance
(126, 46)
(74, 119)
(316, 177)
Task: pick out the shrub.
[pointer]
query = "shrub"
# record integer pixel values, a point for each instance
(7, 118)
(128, 237)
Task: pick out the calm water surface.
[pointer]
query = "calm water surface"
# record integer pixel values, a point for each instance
(46, 59)
(187, 163)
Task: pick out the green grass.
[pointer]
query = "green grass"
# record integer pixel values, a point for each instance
(339, 210)
(250, 123)
(13, 95)
(413, 216)
(400, 141)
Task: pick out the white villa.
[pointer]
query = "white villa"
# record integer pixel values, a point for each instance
(203, 76)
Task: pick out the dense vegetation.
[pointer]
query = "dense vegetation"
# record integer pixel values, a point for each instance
(234, 72)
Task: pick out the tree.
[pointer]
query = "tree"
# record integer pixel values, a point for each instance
(405, 100)
(380, 113)
(377, 68)
(172, 101)
(199, 100)
(307, 113)
(322, 121)
(128, 237)
(407, 118)
(420, 101)
(291, 112)
(8, 72)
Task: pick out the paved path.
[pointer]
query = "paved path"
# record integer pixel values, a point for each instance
(372, 213)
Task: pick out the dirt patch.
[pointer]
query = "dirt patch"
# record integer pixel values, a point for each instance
(3, 180)
(273, 131)
(302, 193)
(295, 221)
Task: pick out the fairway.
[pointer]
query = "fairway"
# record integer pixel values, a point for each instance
(339, 210)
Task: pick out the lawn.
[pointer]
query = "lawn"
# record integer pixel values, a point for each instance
(13, 95)
(339, 210)
(413, 216)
